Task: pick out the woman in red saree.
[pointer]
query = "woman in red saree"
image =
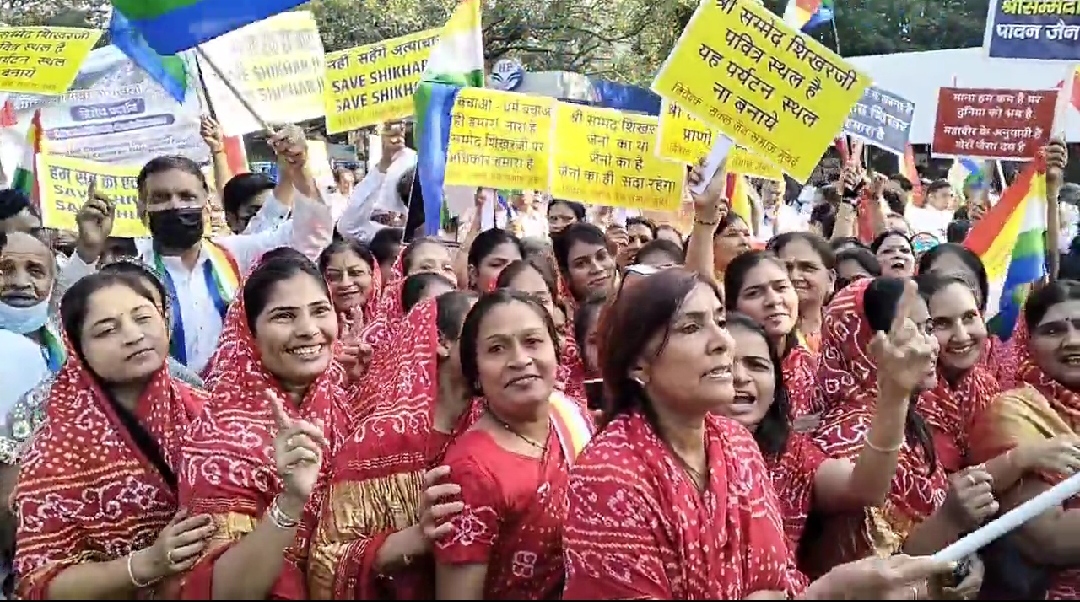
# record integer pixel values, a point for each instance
(585, 262)
(488, 253)
(917, 515)
(355, 283)
(756, 283)
(803, 477)
(811, 265)
(371, 543)
(97, 494)
(1043, 411)
(513, 463)
(253, 457)
(671, 501)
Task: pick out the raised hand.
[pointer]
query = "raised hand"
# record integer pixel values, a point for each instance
(906, 355)
(211, 134)
(94, 222)
(298, 451)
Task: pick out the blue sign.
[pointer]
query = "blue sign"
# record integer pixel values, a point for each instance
(882, 119)
(1047, 30)
(269, 168)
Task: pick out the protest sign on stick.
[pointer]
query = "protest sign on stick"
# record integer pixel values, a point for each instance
(499, 140)
(605, 157)
(782, 95)
(681, 137)
(368, 85)
(882, 119)
(64, 183)
(993, 123)
(43, 60)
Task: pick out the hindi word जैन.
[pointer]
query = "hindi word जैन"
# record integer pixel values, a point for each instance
(64, 182)
(43, 60)
(371, 84)
(682, 137)
(992, 123)
(277, 65)
(605, 157)
(780, 94)
(1041, 30)
(499, 140)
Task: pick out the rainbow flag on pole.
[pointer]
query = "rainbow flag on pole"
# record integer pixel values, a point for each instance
(170, 26)
(455, 62)
(808, 15)
(1010, 241)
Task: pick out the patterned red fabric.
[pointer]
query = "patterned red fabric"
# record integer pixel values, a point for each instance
(1003, 360)
(379, 331)
(639, 529)
(799, 368)
(378, 474)
(847, 377)
(86, 491)
(951, 410)
(793, 473)
(229, 468)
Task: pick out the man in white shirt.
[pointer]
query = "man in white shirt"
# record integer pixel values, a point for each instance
(378, 191)
(172, 195)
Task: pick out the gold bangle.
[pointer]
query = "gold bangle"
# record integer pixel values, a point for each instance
(882, 450)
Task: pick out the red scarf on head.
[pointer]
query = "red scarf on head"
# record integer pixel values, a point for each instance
(951, 410)
(87, 492)
(346, 321)
(799, 368)
(378, 473)
(379, 330)
(847, 380)
(230, 471)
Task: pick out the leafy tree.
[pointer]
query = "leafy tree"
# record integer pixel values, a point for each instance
(65, 13)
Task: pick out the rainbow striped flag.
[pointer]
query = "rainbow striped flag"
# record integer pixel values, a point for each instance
(170, 26)
(1010, 241)
(735, 190)
(571, 425)
(808, 15)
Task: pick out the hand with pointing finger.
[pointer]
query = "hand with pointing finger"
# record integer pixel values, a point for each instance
(298, 455)
(95, 223)
(906, 355)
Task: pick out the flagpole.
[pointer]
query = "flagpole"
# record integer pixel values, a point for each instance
(236, 92)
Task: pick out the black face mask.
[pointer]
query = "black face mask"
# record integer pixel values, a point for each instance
(176, 228)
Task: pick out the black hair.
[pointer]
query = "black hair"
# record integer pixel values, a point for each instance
(880, 239)
(12, 202)
(638, 314)
(586, 315)
(169, 163)
(346, 244)
(416, 286)
(824, 214)
(451, 308)
(579, 232)
(516, 268)
(880, 301)
(844, 242)
(728, 220)
(1042, 299)
(487, 241)
(75, 303)
(276, 266)
(957, 230)
(576, 208)
(773, 430)
(470, 331)
(818, 243)
(862, 256)
(140, 271)
(966, 256)
(660, 246)
(735, 277)
(410, 249)
(932, 283)
(239, 190)
(385, 244)
(638, 220)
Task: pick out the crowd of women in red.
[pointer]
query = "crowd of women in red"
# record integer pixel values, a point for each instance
(790, 422)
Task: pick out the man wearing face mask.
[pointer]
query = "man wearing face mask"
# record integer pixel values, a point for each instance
(201, 275)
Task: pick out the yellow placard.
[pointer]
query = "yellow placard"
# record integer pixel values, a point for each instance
(43, 60)
(605, 157)
(499, 140)
(64, 182)
(681, 137)
(367, 85)
(740, 69)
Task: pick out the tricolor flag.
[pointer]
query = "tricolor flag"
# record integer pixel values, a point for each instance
(456, 61)
(808, 15)
(25, 177)
(170, 26)
(1010, 241)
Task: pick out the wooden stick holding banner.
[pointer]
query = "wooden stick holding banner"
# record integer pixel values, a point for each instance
(232, 88)
(1011, 520)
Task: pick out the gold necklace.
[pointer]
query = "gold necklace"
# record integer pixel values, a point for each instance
(510, 429)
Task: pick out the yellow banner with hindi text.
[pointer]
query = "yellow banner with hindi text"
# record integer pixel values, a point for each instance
(605, 157)
(499, 140)
(681, 137)
(64, 182)
(43, 60)
(371, 84)
(777, 92)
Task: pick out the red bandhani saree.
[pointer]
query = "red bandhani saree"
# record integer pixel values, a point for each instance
(515, 507)
(799, 368)
(88, 491)
(378, 475)
(847, 377)
(638, 528)
(1040, 408)
(229, 471)
(388, 313)
(951, 410)
(792, 475)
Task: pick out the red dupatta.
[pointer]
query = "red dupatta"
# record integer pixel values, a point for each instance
(847, 379)
(378, 473)
(951, 410)
(379, 331)
(346, 317)
(230, 471)
(639, 529)
(799, 368)
(87, 492)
